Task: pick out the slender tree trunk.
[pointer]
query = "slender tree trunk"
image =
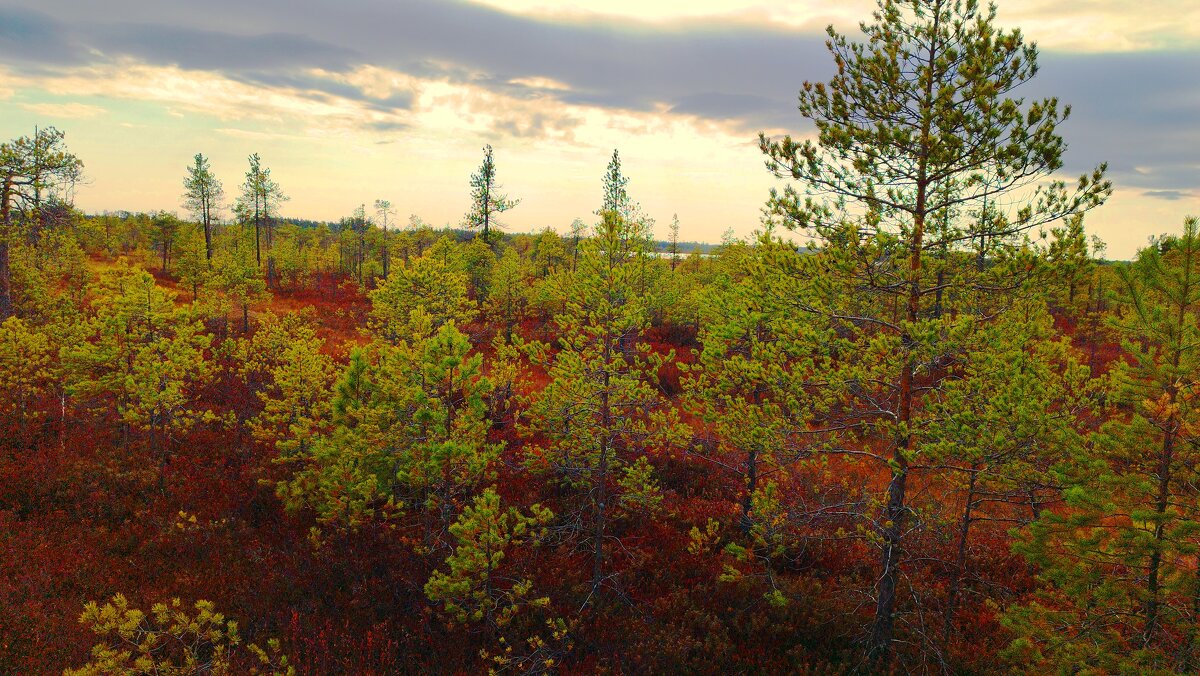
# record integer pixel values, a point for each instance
(1162, 499)
(257, 235)
(896, 511)
(208, 236)
(960, 563)
(601, 481)
(1154, 565)
(751, 486)
(6, 305)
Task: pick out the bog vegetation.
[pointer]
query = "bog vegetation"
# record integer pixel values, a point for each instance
(944, 435)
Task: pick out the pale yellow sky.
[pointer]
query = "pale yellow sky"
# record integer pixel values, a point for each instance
(405, 120)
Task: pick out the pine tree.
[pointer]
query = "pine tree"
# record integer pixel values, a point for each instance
(202, 196)
(165, 228)
(238, 281)
(33, 172)
(191, 265)
(259, 205)
(1013, 413)
(171, 639)
(486, 198)
(285, 364)
(615, 196)
(750, 386)
(673, 242)
(409, 436)
(507, 291)
(383, 212)
(1123, 593)
(481, 587)
(25, 376)
(428, 292)
(145, 360)
(474, 589)
(602, 411)
(919, 151)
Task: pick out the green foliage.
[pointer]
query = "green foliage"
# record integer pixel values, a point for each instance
(473, 588)
(1122, 588)
(236, 282)
(480, 586)
(26, 374)
(422, 296)
(191, 265)
(602, 409)
(293, 378)
(924, 173)
(202, 197)
(486, 199)
(409, 432)
(508, 291)
(145, 358)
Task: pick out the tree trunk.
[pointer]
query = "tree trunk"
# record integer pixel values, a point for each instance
(6, 306)
(960, 563)
(601, 481)
(880, 641)
(208, 237)
(751, 486)
(1154, 565)
(257, 237)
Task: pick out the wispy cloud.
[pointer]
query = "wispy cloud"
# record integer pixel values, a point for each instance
(1169, 195)
(72, 110)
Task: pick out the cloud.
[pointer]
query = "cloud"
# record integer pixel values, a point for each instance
(1169, 195)
(73, 110)
(382, 64)
(198, 49)
(185, 92)
(611, 65)
(1136, 111)
(32, 38)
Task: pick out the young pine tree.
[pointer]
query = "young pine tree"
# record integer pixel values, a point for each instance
(922, 157)
(486, 199)
(602, 412)
(408, 439)
(1123, 593)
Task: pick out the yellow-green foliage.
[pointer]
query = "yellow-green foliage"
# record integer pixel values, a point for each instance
(424, 294)
(409, 430)
(292, 378)
(472, 589)
(25, 372)
(170, 640)
(144, 358)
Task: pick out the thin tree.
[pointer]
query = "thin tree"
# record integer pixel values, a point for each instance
(486, 198)
(918, 146)
(673, 243)
(384, 210)
(30, 168)
(616, 197)
(258, 204)
(202, 196)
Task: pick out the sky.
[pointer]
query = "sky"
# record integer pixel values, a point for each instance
(359, 100)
